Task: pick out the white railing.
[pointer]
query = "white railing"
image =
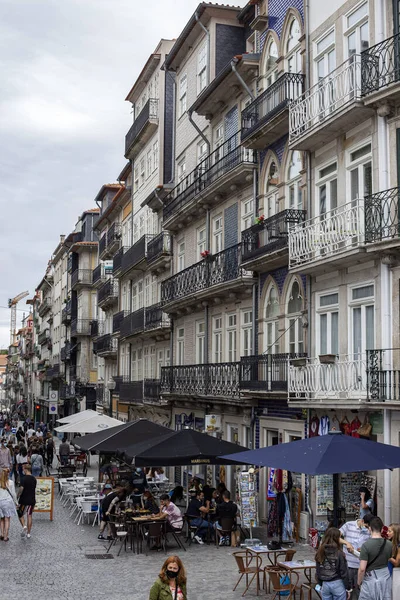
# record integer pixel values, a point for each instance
(343, 379)
(325, 98)
(331, 234)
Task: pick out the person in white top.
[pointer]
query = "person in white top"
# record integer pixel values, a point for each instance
(8, 501)
(39, 433)
(30, 432)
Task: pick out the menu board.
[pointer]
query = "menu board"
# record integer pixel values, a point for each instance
(248, 499)
(324, 492)
(45, 495)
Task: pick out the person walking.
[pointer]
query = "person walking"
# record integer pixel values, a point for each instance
(64, 451)
(50, 450)
(171, 581)
(373, 574)
(8, 501)
(332, 572)
(36, 462)
(5, 456)
(394, 561)
(353, 536)
(26, 500)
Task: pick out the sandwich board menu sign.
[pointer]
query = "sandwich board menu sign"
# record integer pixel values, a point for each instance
(248, 499)
(45, 495)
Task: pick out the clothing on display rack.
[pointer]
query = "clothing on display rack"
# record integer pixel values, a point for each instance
(334, 424)
(324, 424)
(314, 426)
(354, 427)
(345, 426)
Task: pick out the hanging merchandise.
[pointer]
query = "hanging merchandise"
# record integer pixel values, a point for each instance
(345, 426)
(272, 523)
(314, 426)
(248, 500)
(324, 425)
(324, 484)
(334, 424)
(366, 427)
(354, 426)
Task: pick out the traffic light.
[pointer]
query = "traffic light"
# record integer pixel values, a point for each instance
(37, 407)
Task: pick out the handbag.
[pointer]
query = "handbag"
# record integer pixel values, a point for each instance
(345, 426)
(371, 562)
(366, 428)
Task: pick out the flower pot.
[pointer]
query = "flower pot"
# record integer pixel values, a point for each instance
(327, 359)
(298, 362)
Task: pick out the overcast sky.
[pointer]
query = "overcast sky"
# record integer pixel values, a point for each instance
(66, 67)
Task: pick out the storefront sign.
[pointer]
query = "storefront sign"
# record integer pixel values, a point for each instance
(45, 495)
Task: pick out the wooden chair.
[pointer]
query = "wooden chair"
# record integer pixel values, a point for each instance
(156, 533)
(245, 568)
(275, 575)
(308, 588)
(227, 524)
(287, 556)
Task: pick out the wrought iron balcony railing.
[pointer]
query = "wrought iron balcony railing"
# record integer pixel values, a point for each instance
(155, 318)
(108, 293)
(220, 162)
(382, 220)
(342, 378)
(148, 113)
(131, 391)
(270, 235)
(44, 306)
(133, 323)
(136, 253)
(96, 327)
(67, 391)
(117, 320)
(114, 236)
(383, 375)
(214, 270)
(218, 379)
(152, 390)
(44, 337)
(65, 354)
(117, 260)
(80, 327)
(66, 313)
(102, 244)
(81, 277)
(160, 245)
(105, 345)
(100, 394)
(334, 233)
(98, 275)
(266, 372)
(272, 101)
(326, 98)
(380, 65)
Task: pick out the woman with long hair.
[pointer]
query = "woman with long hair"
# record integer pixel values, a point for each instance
(171, 581)
(394, 561)
(176, 494)
(8, 501)
(332, 571)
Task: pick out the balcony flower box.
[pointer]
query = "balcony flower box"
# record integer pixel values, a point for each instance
(298, 362)
(206, 255)
(260, 220)
(327, 359)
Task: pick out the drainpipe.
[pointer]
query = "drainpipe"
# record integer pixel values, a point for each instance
(201, 134)
(242, 82)
(206, 336)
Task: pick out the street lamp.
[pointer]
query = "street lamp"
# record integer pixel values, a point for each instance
(111, 385)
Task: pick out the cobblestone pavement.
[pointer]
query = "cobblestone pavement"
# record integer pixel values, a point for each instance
(52, 565)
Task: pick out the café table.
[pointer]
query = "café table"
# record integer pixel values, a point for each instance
(141, 522)
(299, 565)
(265, 551)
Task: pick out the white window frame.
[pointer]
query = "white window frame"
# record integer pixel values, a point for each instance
(219, 138)
(296, 318)
(356, 164)
(202, 60)
(181, 255)
(149, 158)
(362, 303)
(217, 349)
(355, 28)
(201, 240)
(142, 171)
(217, 237)
(155, 156)
(295, 184)
(327, 310)
(247, 213)
(271, 329)
(182, 104)
(180, 346)
(231, 337)
(293, 53)
(246, 333)
(200, 342)
(325, 180)
(324, 54)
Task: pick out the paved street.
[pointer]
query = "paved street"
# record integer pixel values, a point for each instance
(52, 565)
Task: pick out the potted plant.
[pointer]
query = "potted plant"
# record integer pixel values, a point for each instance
(301, 361)
(327, 359)
(260, 220)
(206, 255)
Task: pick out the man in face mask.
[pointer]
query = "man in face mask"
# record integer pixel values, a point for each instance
(354, 534)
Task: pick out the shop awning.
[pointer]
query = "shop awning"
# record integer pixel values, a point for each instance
(89, 425)
(80, 416)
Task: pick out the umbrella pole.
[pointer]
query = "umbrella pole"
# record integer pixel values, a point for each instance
(336, 499)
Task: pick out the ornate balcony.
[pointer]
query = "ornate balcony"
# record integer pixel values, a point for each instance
(80, 327)
(96, 328)
(66, 313)
(102, 246)
(155, 319)
(331, 107)
(266, 372)
(382, 222)
(229, 165)
(66, 352)
(107, 295)
(114, 235)
(44, 306)
(136, 254)
(81, 278)
(266, 119)
(44, 337)
(336, 236)
(318, 381)
(380, 71)
(106, 346)
(131, 392)
(217, 275)
(144, 126)
(118, 319)
(117, 261)
(383, 375)
(215, 380)
(152, 390)
(99, 276)
(159, 251)
(67, 391)
(133, 323)
(267, 243)
(150, 320)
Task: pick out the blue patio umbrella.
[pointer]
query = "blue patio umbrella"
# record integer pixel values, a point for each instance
(324, 455)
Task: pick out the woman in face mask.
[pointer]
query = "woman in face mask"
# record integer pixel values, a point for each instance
(171, 582)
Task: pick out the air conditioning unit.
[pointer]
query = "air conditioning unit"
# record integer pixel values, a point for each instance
(304, 525)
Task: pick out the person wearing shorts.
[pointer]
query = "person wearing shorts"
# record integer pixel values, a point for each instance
(27, 500)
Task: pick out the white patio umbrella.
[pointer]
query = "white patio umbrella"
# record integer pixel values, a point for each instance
(80, 416)
(90, 425)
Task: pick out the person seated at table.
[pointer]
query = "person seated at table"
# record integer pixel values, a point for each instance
(217, 495)
(171, 512)
(149, 502)
(176, 494)
(159, 474)
(225, 509)
(332, 572)
(109, 506)
(195, 485)
(195, 513)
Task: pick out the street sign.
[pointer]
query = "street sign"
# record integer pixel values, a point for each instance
(53, 407)
(53, 396)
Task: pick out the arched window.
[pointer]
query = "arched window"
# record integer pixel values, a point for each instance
(293, 57)
(294, 321)
(272, 322)
(270, 68)
(294, 193)
(271, 191)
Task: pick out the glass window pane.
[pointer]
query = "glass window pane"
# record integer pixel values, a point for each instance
(335, 333)
(357, 15)
(333, 192)
(351, 43)
(329, 299)
(367, 179)
(369, 321)
(357, 339)
(354, 184)
(326, 41)
(323, 327)
(360, 152)
(327, 170)
(364, 35)
(322, 199)
(367, 291)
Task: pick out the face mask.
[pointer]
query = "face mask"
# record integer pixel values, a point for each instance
(172, 574)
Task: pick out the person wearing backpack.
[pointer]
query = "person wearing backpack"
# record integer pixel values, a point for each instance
(50, 449)
(373, 574)
(332, 573)
(36, 462)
